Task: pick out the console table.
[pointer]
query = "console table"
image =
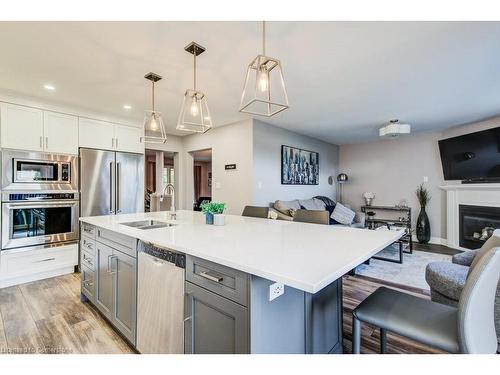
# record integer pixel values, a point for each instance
(404, 221)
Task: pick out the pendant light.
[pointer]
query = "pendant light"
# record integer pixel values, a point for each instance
(264, 92)
(194, 115)
(154, 129)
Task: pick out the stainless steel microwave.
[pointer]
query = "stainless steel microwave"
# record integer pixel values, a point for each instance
(22, 170)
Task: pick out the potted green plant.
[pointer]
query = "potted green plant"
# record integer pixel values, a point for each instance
(423, 225)
(212, 208)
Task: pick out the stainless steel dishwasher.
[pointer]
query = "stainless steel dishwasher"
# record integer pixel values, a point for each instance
(160, 300)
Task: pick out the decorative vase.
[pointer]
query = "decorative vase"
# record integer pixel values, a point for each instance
(423, 226)
(209, 218)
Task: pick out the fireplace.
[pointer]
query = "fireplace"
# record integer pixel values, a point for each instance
(476, 224)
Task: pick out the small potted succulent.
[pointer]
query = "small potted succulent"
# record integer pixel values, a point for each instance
(212, 209)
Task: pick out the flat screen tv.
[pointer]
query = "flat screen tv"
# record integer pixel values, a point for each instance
(473, 157)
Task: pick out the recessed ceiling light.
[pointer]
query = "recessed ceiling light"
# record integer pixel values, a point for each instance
(127, 107)
(49, 87)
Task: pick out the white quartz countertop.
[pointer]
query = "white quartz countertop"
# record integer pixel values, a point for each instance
(300, 255)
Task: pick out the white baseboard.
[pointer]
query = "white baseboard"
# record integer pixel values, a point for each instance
(38, 276)
(433, 240)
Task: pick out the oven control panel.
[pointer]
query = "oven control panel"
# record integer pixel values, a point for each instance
(41, 196)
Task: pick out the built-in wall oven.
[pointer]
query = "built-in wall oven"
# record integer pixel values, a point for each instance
(30, 219)
(40, 199)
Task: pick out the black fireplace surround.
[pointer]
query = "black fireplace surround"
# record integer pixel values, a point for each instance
(475, 222)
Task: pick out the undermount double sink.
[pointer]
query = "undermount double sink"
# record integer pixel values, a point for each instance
(148, 224)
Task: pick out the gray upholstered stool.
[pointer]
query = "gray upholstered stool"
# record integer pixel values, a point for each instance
(312, 216)
(254, 211)
(470, 328)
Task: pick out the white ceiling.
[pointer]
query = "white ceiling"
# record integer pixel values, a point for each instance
(344, 79)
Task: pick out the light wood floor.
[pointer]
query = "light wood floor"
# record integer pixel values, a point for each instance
(47, 317)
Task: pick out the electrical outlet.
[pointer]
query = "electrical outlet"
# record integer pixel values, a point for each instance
(426, 179)
(276, 290)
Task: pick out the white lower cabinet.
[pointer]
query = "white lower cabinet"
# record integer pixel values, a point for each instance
(35, 263)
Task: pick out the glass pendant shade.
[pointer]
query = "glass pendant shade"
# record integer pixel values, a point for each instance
(154, 128)
(194, 115)
(264, 92)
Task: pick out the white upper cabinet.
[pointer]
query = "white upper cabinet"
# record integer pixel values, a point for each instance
(128, 138)
(31, 129)
(96, 134)
(108, 136)
(21, 127)
(60, 133)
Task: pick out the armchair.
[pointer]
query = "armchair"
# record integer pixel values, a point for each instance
(447, 280)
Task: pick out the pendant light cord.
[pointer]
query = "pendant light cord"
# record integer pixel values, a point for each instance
(153, 96)
(194, 69)
(264, 38)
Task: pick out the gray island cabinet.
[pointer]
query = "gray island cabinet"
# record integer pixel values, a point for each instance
(225, 310)
(109, 276)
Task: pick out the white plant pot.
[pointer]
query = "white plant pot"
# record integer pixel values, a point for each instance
(219, 219)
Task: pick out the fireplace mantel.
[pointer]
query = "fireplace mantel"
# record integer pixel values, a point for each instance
(469, 194)
(479, 187)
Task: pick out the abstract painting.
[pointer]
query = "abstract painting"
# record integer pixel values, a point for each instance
(299, 167)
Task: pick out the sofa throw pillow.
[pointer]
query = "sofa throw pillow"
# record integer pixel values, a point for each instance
(330, 209)
(312, 204)
(285, 206)
(342, 214)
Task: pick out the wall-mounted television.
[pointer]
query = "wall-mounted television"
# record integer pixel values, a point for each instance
(473, 157)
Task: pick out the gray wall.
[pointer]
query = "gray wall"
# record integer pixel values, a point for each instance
(393, 168)
(267, 141)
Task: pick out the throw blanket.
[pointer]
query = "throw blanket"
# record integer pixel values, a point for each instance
(327, 201)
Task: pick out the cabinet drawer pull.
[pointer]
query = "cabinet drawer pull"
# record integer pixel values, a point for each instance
(45, 260)
(88, 260)
(210, 277)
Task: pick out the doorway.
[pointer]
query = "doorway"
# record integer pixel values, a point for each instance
(202, 178)
(159, 171)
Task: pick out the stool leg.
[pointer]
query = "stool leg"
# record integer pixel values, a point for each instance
(383, 341)
(356, 335)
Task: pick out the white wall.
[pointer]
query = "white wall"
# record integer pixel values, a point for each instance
(230, 144)
(393, 168)
(174, 144)
(267, 187)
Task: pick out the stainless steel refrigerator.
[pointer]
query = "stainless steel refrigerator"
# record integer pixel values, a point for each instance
(111, 182)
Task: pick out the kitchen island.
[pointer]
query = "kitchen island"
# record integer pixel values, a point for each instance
(250, 255)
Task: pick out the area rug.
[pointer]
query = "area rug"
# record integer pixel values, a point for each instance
(410, 273)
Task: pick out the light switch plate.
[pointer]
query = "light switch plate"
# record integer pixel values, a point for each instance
(276, 290)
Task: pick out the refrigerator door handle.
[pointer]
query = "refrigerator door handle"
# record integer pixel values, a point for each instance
(118, 210)
(111, 188)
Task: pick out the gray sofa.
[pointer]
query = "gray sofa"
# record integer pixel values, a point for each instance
(284, 209)
(447, 280)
